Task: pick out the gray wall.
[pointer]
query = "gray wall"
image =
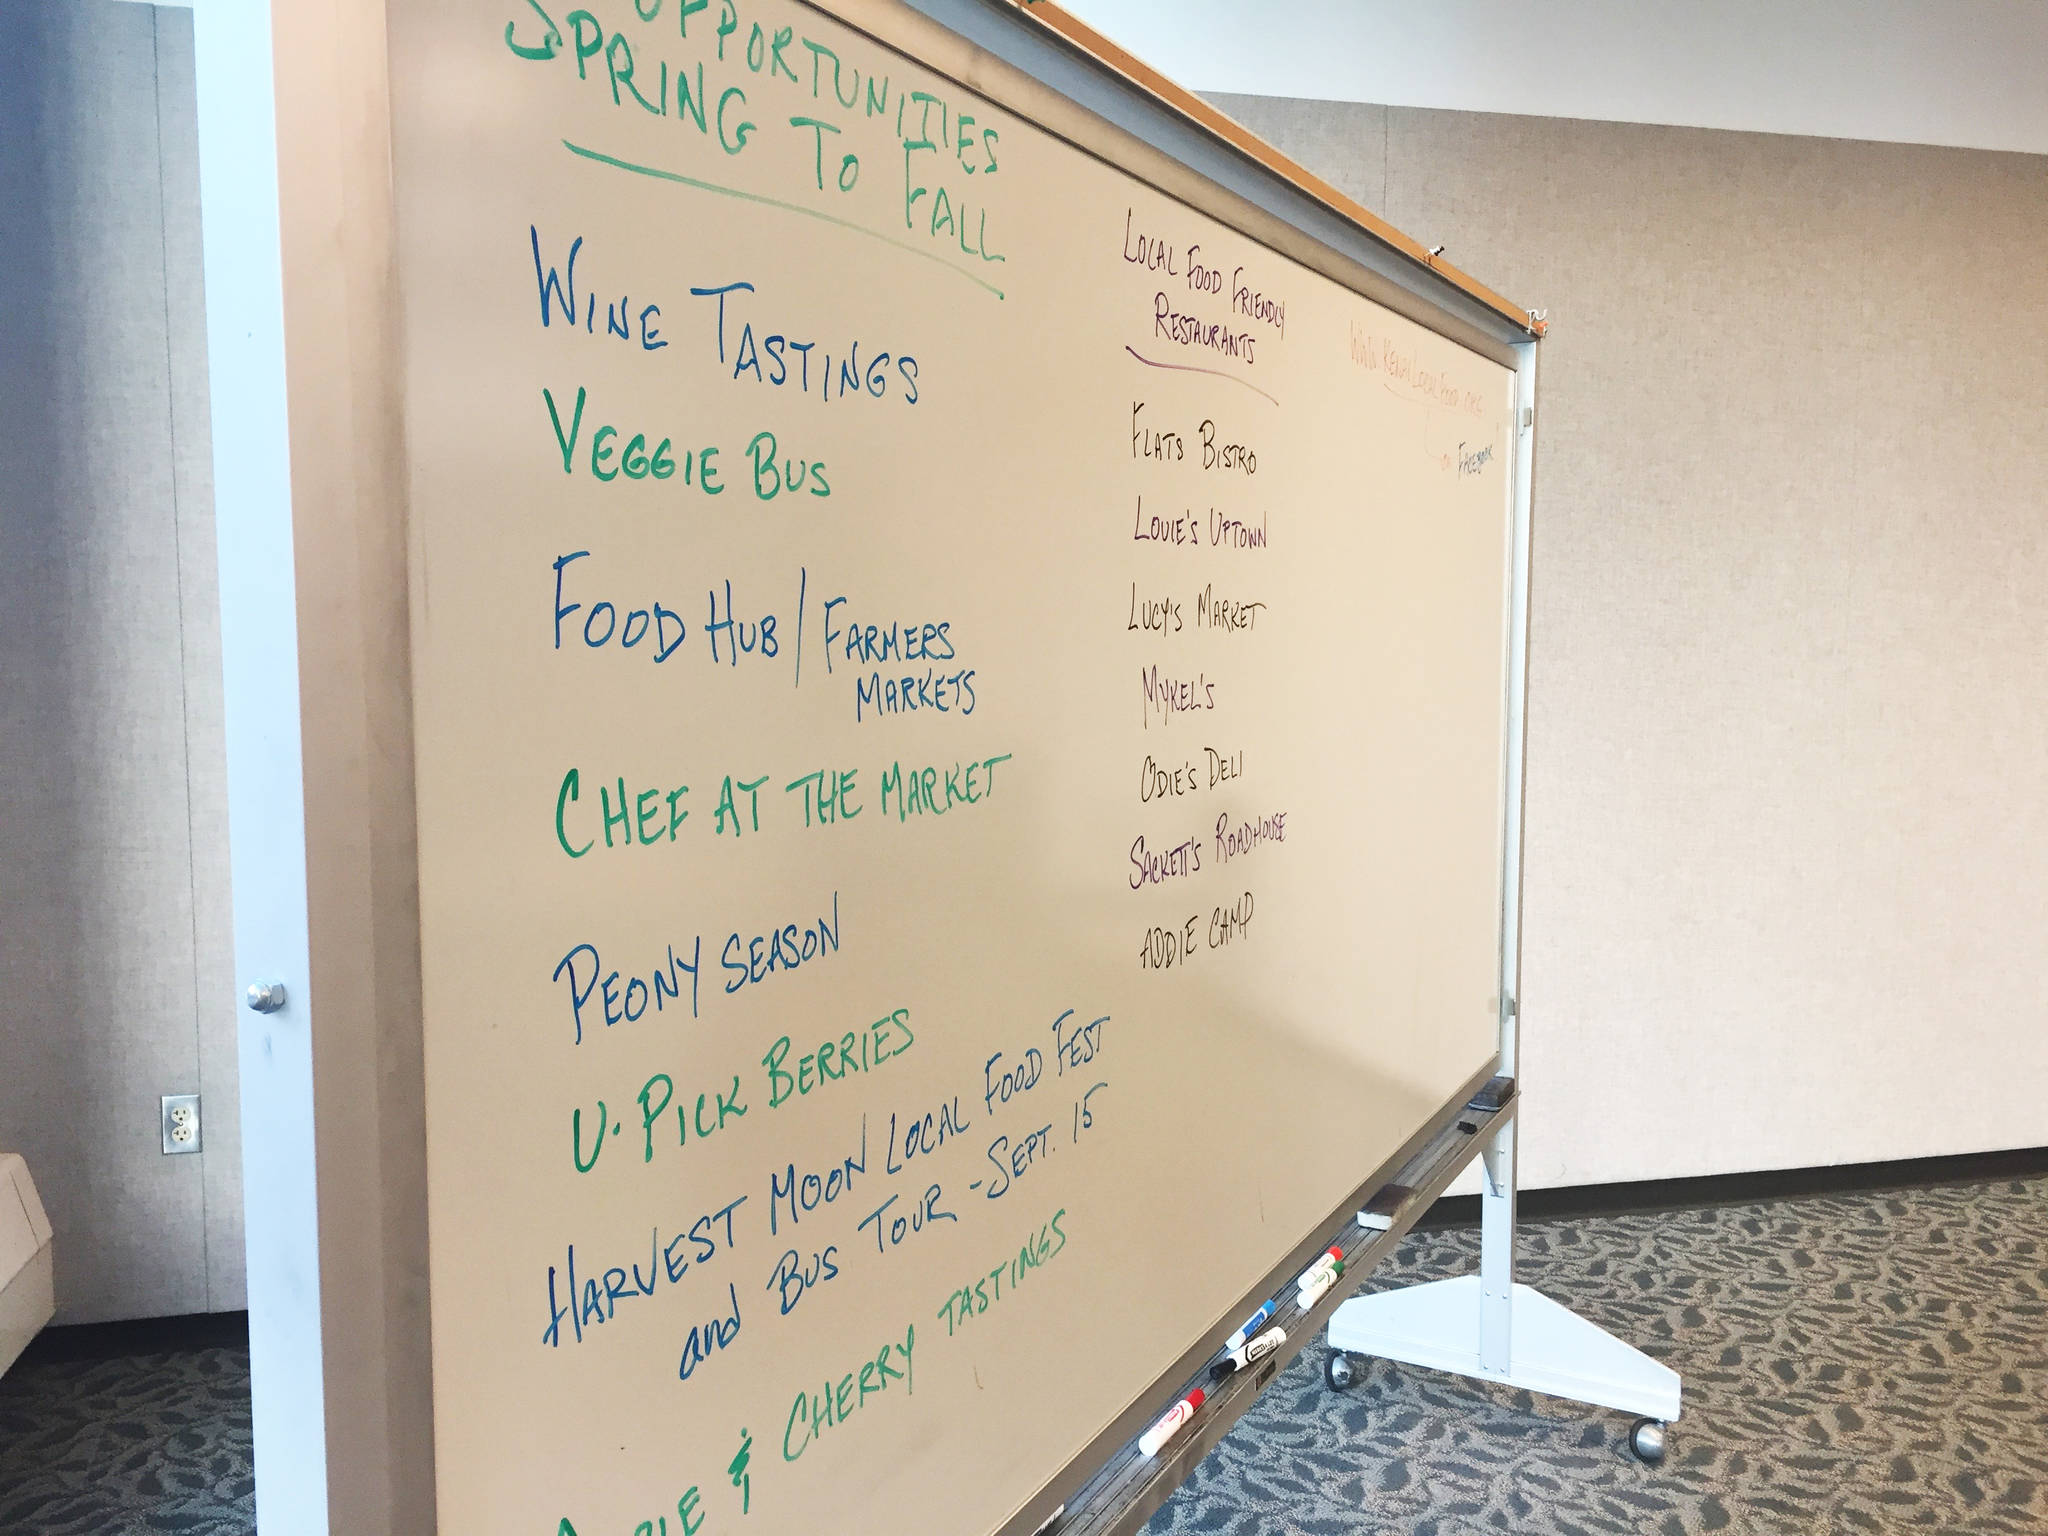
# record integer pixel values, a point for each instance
(1787, 857)
(115, 965)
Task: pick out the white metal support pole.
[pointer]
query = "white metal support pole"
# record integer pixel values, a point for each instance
(1485, 1325)
(1497, 1248)
(238, 194)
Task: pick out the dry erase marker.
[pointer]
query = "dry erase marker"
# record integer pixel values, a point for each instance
(1331, 1256)
(1321, 1282)
(1316, 1271)
(1317, 1288)
(1047, 1523)
(1239, 1339)
(1150, 1442)
(1248, 1354)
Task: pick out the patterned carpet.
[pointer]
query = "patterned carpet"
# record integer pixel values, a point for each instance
(133, 1446)
(1867, 1362)
(1853, 1363)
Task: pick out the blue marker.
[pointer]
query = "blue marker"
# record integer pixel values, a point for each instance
(1239, 1339)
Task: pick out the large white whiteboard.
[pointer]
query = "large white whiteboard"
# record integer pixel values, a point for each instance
(1064, 528)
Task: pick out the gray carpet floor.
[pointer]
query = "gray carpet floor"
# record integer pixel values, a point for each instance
(1853, 1363)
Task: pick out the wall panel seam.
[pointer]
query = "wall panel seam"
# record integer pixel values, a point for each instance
(184, 654)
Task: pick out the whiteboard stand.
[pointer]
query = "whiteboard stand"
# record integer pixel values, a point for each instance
(1485, 1325)
(1489, 1327)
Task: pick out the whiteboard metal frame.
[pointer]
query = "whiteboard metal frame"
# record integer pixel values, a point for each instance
(259, 621)
(1005, 53)
(1148, 81)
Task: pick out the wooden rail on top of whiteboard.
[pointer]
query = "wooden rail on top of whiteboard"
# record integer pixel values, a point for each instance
(1145, 78)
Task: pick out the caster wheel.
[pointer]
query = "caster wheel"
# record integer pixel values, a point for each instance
(1646, 1439)
(1338, 1371)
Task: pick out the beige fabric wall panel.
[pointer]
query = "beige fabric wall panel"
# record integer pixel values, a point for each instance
(214, 996)
(1787, 849)
(104, 605)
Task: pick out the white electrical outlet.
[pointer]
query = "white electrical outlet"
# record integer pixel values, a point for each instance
(181, 1123)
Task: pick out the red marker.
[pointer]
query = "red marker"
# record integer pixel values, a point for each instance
(1150, 1442)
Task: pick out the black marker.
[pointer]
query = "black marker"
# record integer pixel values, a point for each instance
(1249, 1354)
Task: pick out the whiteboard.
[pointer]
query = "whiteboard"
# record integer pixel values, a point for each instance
(960, 743)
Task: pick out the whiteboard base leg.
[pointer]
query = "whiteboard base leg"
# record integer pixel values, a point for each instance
(1553, 1350)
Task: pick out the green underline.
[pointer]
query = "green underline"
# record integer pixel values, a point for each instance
(775, 202)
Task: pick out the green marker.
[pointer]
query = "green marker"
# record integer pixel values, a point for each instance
(1318, 1286)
